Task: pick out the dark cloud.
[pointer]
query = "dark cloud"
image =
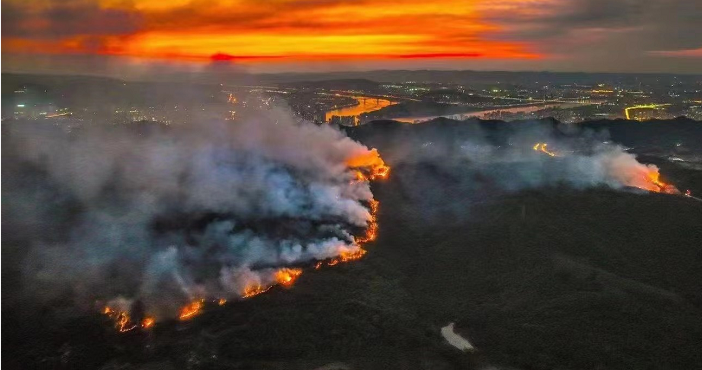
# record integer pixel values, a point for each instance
(622, 26)
(61, 19)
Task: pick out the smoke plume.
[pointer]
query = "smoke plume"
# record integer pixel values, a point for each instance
(515, 155)
(166, 215)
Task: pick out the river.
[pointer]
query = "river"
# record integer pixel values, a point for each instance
(365, 104)
(484, 113)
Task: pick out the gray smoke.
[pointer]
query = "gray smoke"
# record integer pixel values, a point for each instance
(171, 214)
(503, 154)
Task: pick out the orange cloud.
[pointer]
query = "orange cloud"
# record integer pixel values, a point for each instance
(250, 30)
(692, 53)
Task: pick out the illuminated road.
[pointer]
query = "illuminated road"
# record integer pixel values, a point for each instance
(58, 115)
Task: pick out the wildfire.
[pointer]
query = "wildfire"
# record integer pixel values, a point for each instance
(371, 162)
(543, 147)
(352, 256)
(286, 276)
(360, 177)
(123, 322)
(148, 322)
(371, 234)
(254, 290)
(380, 172)
(191, 310)
(653, 183)
(647, 177)
(372, 230)
(653, 177)
(374, 204)
(367, 166)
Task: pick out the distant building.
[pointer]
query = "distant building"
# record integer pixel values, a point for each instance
(344, 120)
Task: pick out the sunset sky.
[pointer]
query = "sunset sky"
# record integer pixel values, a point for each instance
(286, 35)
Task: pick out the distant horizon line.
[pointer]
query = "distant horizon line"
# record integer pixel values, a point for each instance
(299, 73)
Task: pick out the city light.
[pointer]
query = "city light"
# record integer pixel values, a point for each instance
(643, 106)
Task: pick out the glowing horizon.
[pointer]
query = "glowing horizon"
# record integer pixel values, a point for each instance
(263, 32)
(513, 33)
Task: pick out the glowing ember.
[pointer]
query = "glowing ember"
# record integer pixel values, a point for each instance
(124, 323)
(380, 172)
(121, 318)
(222, 302)
(191, 310)
(287, 276)
(147, 323)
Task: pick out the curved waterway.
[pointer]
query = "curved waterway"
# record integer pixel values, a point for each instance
(365, 104)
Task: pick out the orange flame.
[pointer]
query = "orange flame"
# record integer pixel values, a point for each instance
(380, 172)
(647, 178)
(286, 276)
(254, 290)
(372, 230)
(371, 234)
(653, 183)
(191, 310)
(352, 256)
(542, 147)
(148, 322)
(371, 162)
(367, 166)
(123, 322)
(654, 177)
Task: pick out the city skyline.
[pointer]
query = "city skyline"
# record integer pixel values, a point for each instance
(91, 36)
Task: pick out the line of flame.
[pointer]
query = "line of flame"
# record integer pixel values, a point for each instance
(286, 276)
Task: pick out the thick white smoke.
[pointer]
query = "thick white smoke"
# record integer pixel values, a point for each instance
(171, 214)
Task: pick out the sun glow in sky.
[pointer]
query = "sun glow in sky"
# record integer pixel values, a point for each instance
(271, 30)
(274, 31)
